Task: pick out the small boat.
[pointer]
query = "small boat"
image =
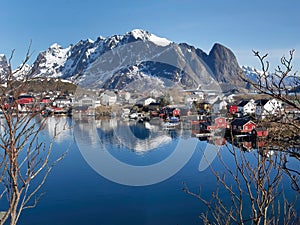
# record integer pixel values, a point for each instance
(171, 123)
(170, 126)
(135, 116)
(46, 112)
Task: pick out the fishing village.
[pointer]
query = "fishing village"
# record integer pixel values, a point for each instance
(235, 117)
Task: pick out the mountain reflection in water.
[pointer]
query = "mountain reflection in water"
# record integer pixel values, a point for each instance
(77, 195)
(138, 137)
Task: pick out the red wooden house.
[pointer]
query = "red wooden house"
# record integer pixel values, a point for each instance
(207, 126)
(260, 132)
(233, 109)
(169, 112)
(25, 99)
(176, 112)
(46, 99)
(242, 125)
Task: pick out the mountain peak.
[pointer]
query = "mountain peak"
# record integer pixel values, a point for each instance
(219, 49)
(138, 34)
(224, 65)
(147, 36)
(90, 40)
(55, 46)
(87, 60)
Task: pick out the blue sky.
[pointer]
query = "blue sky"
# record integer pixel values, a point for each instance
(270, 26)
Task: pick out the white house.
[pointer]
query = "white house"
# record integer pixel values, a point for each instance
(219, 105)
(189, 99)
(247, 107)
(231, 98)
(146, 101)
(62, 101)
(268, 107)
(86, 101)
(108, 98)
(201, 95)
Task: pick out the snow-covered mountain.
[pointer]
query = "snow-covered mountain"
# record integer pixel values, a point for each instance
(22, 71)
(17, 74)
(253, 75)
(139, 59)
(49, 62)
(250, 73)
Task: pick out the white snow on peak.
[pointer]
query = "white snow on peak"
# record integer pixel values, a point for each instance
(56, 51)
(138, 33)
(159, 41)
(2, 55)
(55, 45)
(101, 38)
(54, 58)
(144, 35)
(90, 40)
(22, 71)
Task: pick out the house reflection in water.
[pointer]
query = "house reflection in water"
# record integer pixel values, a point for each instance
(217, 140)
(144, 137)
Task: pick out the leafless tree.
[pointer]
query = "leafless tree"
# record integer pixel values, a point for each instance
(284, 85)
(248, 191)
(251, 188)
(284, 128)
(25, 157)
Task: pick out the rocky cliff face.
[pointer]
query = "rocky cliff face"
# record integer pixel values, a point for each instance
(225, 67)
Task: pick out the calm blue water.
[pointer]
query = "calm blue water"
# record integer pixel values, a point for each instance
(77, 194)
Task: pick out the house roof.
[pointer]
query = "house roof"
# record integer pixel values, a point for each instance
(142, 100)
(241, 121)
(62, 97)
(154, 104)
(261, 102)
(219, 101)
(243, 103)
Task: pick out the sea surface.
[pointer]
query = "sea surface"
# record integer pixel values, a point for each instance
(123, 172)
